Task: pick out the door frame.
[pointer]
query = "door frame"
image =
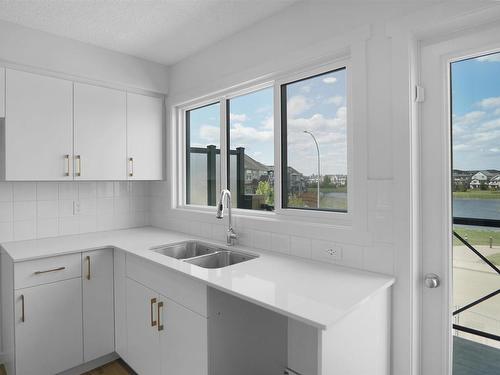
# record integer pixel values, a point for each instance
(436, 337)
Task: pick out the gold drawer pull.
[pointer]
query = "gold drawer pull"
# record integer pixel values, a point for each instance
(22, 308)
(131, 165)
(66, 157)
(160, 326)
(52, 270)
(153, 322)
(87, 258)
(79, 165)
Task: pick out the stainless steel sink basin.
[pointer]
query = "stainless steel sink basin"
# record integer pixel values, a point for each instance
(220, 259)
(188, 249)
(204, 255)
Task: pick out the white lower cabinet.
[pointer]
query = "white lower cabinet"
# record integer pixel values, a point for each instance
(98, 304)
(163, 336)
(48, 329)
(57, 312)
(143, 353)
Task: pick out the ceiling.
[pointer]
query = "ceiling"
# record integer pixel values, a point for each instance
(164, 31)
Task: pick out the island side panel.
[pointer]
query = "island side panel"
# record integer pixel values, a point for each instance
(7, 304)
(359, 344)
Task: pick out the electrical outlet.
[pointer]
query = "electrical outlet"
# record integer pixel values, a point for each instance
(76, 208)
(334, 252)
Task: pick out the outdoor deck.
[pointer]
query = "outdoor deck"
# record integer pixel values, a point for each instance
(472, 358)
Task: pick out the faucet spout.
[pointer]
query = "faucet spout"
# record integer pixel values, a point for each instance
(230, 235)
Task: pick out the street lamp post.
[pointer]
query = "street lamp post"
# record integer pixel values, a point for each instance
(317, 149)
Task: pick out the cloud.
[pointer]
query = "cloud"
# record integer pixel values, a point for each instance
(268, 123)
(240, 117)
(493, 102)
(246, 134)
(489, 58)
(298, 104)
(330, 80)
(210, 133)
(337, 100)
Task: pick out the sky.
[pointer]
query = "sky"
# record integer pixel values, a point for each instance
(475, 94)
(317, 105)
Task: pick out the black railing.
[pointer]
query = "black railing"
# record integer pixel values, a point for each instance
(486, 223)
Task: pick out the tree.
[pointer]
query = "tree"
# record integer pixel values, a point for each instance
(264, 188)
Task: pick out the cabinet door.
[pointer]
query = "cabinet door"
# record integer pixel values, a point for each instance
(98, 312)
(183, 340)
(144, 137)
(100, 133)
(143, 353)
(2, 92)
(38, 127)
(48, 328)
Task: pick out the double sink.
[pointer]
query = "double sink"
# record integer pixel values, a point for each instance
(204, 255)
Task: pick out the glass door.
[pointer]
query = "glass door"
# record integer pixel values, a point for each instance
(475, 131)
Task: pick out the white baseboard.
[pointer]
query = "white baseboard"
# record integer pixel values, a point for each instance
(78, 370)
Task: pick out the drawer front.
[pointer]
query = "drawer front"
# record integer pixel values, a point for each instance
(186, 292)
(46, 270)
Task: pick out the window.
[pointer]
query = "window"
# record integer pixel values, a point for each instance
(314, 142)
(251, 150)
(203, 155)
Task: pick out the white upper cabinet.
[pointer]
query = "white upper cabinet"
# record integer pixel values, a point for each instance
(2, 92)
(100, 133)
(144, 137)
(38, 127)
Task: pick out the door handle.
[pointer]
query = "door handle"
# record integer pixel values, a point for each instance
(87, 258)
(22, 308)
(153, 322)
(66, 157)
(131, 166)
(432, 280)
(79, 165)
(47, 271)
(160, 307)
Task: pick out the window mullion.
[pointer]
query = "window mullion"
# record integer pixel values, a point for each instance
(223, 143)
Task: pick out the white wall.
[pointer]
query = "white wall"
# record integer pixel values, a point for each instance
(34, 49)
(384, 238)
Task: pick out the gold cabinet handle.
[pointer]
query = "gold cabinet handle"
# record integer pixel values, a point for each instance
(160, 307)
(51, 270)
(153, 322)
(79, 165)
(66, 157)
(22, 308)
(87, 259)
(131, 167)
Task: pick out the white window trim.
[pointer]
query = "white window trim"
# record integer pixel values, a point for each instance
(333, 218)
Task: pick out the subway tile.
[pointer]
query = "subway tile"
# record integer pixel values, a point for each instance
(105, 205)
(24, 210)
(48, 209)
(65, 208)
(379, 258)
(47, 228)
(24, 230)
(88, 223)
(5, 192)
(105, 189)
(87, 189)
(121, 188)
(68, 190)
(121, 205)
(88, 206)
(47, 191)
(69, 225)
(280, 243)
(6, 233)
(300, 247)
(261, 240)
(6, 209)
(24, 191)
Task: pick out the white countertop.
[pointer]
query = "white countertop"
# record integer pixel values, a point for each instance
(315, 293)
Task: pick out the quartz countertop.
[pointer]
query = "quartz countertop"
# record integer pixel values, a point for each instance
(315, 293)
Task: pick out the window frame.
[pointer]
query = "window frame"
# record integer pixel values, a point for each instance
(330, 217)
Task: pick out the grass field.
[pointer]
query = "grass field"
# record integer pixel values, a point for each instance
(477, 194)
(479, 237)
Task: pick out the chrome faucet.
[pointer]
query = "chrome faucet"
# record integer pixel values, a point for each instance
(231, 236)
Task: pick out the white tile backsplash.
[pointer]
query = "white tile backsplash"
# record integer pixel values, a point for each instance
(300, 246)
(31, 210)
